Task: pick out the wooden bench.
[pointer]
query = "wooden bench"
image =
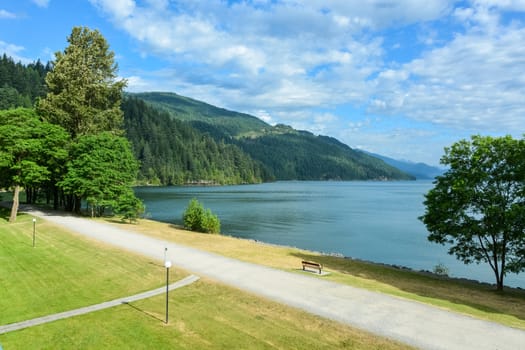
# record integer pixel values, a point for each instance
(312, 265)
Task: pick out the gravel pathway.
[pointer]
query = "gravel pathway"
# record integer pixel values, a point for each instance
(413, 323)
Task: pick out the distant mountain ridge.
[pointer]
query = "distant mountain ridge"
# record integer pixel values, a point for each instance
(283, 152)
(420, 171)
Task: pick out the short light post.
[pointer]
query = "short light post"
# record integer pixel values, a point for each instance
(167, 265)
(34, 231)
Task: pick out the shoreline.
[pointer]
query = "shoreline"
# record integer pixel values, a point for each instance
(393, 266)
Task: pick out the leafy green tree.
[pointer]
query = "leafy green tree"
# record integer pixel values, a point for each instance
(84, 95)
(478, 206)
(129, 206)
(28, 149)
(101, 170)
(197, 218)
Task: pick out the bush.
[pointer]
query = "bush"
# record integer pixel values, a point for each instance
(129, 207)
(196, 218)
(441, 270)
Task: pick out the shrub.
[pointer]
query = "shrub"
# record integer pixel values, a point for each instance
(441, 270)
(196, 218)
(129, 207)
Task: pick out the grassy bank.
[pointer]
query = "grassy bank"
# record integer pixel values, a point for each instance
(478, 300)
(65, 271)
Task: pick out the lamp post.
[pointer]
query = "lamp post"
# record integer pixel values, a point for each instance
(167, 265)
(34, 231)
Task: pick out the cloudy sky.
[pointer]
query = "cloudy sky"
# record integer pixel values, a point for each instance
(400, 78)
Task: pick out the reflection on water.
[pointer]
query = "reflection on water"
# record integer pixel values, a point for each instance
(376, 221)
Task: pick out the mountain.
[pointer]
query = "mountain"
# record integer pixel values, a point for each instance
(420, 171)
(285, 153)
(172, 152)
(186, 109)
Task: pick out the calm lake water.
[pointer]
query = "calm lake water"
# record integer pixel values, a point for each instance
(375, 221)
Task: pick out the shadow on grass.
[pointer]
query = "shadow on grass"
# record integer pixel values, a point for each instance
(480, 296)
(4, 213)
(149, 314)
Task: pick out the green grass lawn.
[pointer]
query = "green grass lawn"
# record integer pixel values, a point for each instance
(65, 271)
(478, 300)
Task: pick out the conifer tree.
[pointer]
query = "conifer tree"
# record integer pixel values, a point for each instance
(84, 94)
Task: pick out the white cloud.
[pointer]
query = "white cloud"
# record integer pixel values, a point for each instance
(290, 51)
(41, 3)
(6, 14)
(13, 51)
(119, 9)
(471, 82)
(508, 5)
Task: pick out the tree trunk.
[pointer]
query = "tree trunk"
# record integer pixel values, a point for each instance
(77, 204)
(55, 198)
(499, 286)
(29, 195)
(16, 202)
(499, 281)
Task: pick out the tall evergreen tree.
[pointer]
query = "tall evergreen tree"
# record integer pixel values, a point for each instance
(84, 94)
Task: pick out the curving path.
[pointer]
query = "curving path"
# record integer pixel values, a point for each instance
(410, 322)
(92, 308)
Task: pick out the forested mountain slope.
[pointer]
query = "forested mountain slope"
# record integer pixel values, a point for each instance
(172, 152)
(286, 153)
(21, 84)
(187, 109)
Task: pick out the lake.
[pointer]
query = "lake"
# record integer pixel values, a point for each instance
(375, 221)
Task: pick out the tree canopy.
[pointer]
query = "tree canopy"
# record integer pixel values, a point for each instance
(29, 148)
(478, 206)
(84, 95)
(101, 170)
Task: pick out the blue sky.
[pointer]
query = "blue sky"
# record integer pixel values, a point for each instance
(400, 78)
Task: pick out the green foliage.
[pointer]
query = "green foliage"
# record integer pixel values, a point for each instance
(102, 170)
(129, 207)
(21, 85)
(173, 152)
(197, 218)
(29, 149)
(83, 95)
(477, 207)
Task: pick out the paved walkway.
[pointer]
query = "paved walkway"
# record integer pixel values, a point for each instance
(410, 322)
(84, 310)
